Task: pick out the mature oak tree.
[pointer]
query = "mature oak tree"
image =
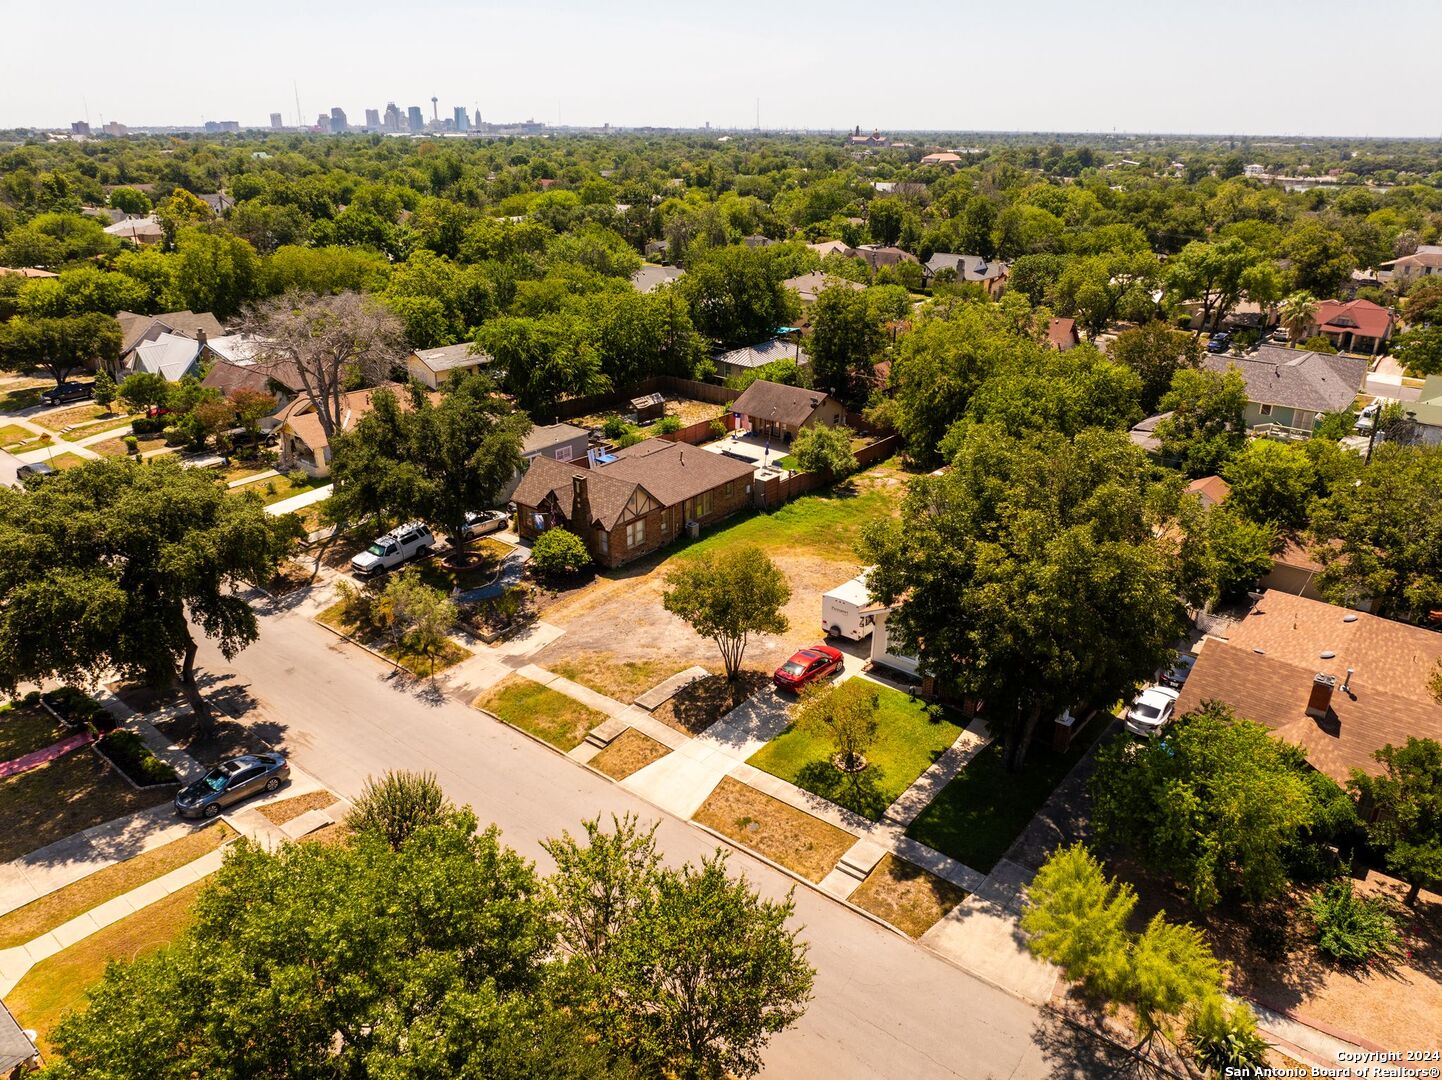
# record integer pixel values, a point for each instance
(1039, 573)
(60, 346)
(109, 565)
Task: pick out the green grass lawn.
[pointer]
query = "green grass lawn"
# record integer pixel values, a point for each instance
(39, 442)
(66, 460)
(25, 729)
(977, 816)
(827, 524)
(14, 434)
(909, 739)
(24, 397)
(276, 488)
(545, 713)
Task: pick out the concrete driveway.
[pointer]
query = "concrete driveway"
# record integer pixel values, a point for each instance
(883, 1007)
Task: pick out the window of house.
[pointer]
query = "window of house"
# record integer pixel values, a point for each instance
(636, 533)
(604, 541)
(1266, 410)
(563, 453)
(730, 487)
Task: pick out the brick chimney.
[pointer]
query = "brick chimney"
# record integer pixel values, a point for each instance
(1319, 703)
(200, 335)
(580, 501)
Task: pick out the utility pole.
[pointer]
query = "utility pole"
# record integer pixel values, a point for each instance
(299, 122)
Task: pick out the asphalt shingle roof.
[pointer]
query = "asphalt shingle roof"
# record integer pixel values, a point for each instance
(791, 405)
(1299, 380)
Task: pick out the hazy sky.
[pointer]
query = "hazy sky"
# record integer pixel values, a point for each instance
(1225, 66)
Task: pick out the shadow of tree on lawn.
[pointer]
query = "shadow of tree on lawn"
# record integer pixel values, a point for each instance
(860, 792)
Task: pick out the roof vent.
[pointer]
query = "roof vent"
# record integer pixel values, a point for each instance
(1349, 618)
(1260, 652)
(1328, 654)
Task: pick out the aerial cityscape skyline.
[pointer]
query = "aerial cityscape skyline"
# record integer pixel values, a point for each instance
(1132, 68)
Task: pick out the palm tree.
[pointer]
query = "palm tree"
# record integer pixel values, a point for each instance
(1299, 312)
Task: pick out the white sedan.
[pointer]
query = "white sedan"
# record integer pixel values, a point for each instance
(1151, 710)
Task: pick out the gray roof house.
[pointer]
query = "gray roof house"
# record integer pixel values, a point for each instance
(432, 367)
(16, 1050)
(559, 442)
(1288, 391)
(733, 363)
(989, 273)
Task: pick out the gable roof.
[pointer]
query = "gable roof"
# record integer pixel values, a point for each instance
(833, 247)
(1061, 332)
(1210, 489)
(1265, 666)
(450, 357)
(300, 415)
(878, 255)
(761, 354)
(549, 478)
(169, 355)
(967, 267)
(792, 405)
(15, 1046)
(137, 228)
(547, 436)
(136, 328)
(673, 472)
(1357, 316)
(1300, 380)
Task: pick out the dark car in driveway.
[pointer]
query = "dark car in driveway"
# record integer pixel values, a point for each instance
(231, 781)
(67, 391)
(1219, 342)
(806, 666)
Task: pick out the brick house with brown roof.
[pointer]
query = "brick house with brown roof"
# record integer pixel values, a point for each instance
(780, 411)
(633, 505)
(1340, 684)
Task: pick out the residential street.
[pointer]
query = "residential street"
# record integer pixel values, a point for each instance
(883, 1007)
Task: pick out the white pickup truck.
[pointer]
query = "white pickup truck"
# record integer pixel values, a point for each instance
(394, 548)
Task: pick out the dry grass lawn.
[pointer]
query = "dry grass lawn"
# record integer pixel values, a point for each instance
(908, 897)
(25, 729)
(89, 413)
(72, 793)
(618, 679)
(801, 843)
(545, 713)
(57, 985)
(278, 813)
(43, 915)
(13, 435)
(116, 447)
(66, 460)
(628, 752)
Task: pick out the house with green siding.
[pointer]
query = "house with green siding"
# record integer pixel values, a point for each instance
(1289, 391)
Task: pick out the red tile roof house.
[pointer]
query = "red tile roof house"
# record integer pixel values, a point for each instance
(1357, 326)
(1340, 684)
(636, 504)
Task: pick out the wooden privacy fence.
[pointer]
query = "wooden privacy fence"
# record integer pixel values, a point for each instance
(620, 400)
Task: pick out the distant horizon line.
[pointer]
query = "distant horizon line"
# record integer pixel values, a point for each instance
(605, 128)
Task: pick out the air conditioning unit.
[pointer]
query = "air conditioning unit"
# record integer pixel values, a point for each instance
(693, 530)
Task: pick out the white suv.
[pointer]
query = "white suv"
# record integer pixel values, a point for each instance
(394, 548)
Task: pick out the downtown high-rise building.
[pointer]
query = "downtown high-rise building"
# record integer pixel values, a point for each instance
(392, 120)
(276, 123)
(463, 122)
(373, 120)
(338, 125)
(416, 120)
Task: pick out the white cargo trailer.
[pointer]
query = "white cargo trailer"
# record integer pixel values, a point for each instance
(847, 610)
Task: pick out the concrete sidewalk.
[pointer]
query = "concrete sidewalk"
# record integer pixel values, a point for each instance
(682, 780)
(299, 502)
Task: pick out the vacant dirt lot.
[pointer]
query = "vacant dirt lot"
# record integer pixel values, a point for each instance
(812, 539)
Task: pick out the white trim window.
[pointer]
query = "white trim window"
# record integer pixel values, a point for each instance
(563, 453)
(636, 533)
(1264, 410)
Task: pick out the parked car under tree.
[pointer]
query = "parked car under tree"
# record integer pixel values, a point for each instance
(231, 781)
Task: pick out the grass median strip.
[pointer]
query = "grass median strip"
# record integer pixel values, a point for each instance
(801, 843)
(545, 713)
(628, 752)
(43, 915)
(278, 813)
(908, 897)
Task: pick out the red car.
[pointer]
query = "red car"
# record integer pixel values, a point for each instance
(807, 665)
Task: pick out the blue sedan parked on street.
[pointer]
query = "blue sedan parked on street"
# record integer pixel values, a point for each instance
(229, 782)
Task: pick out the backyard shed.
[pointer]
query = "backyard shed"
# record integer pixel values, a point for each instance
(648, 407)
